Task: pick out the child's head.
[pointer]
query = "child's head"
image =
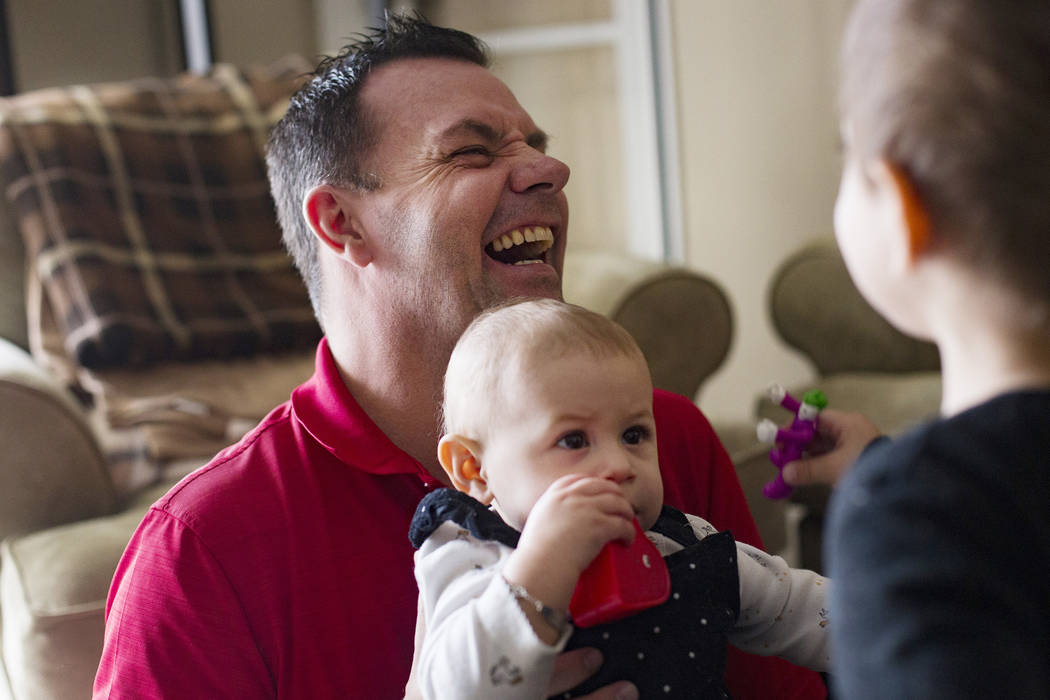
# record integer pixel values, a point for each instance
(539, 389)
(954, 97)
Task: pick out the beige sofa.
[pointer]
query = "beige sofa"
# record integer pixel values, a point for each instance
(79, 468)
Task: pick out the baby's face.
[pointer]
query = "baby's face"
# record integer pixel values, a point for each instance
(574, 415)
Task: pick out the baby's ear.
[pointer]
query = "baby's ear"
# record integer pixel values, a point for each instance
(459, 458)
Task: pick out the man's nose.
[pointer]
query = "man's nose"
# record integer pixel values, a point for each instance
(536, 171)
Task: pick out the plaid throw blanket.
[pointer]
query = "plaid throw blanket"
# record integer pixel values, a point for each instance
(147, 218)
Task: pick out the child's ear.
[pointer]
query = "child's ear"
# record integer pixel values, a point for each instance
(915, 219)
(459, 458)
(329, 211)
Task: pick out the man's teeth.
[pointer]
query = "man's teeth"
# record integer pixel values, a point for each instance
(528, 234)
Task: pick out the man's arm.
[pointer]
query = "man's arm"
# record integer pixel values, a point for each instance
(699, 478)
(174, 626)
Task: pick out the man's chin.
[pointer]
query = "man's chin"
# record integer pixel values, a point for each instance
(540, 281)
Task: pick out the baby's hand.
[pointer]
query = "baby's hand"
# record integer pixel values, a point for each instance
(570, 523)
(576, 516)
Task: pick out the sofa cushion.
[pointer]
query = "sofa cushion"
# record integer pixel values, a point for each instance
(160, 424)
(146, 215)
(53, 589)
(894, 401)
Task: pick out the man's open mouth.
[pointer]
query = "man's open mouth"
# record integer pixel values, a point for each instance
(522, 246)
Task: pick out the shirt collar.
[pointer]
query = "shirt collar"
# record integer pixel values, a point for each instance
(325, 408)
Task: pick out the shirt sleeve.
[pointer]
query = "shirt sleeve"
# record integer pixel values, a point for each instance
(479, 644)
(174, 625)
(700, 478)
(782, 610)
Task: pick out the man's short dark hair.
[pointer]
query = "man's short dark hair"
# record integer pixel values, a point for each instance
(326, 134)
(956, 93)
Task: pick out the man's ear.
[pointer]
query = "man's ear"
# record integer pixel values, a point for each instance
(459, 458)
(329, 212)
(915, 217)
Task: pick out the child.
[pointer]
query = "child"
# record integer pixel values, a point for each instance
(939, 542)
(548, 417)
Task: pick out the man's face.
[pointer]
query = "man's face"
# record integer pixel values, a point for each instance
(464, 179)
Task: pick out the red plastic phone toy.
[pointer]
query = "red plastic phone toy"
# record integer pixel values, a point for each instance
(620, 581)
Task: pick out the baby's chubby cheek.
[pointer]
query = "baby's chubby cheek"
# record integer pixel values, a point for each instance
(647, 518)
(648, 511)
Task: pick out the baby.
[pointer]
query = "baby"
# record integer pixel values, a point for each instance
(550, 442)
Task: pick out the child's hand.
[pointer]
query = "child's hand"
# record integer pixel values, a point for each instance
(570, 523)
(840, 439)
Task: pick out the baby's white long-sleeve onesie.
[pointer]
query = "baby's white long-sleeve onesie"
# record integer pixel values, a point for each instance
(479, 644)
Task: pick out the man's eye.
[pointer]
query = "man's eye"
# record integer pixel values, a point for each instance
(636, 434)
(573, 441)
(473, 151)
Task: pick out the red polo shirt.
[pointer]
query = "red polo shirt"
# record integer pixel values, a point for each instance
(282, 569)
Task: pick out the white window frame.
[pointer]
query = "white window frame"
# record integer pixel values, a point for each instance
(196, 35)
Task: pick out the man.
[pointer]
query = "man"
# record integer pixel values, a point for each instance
(413, 191)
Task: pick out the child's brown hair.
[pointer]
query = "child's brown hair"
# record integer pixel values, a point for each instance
(956, 95)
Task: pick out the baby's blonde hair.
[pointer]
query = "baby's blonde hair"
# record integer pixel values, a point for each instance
(509, 339)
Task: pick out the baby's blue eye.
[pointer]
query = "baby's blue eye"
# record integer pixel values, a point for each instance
(635, 434)
(575, 440)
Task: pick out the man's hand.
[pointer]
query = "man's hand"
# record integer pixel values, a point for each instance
(570, 669)
(576, 666)
(840, 439)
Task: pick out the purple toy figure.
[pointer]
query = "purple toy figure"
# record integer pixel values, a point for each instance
(790, 442)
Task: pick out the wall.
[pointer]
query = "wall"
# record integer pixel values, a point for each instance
(58, 42)
(263, 30)
(760, 161)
